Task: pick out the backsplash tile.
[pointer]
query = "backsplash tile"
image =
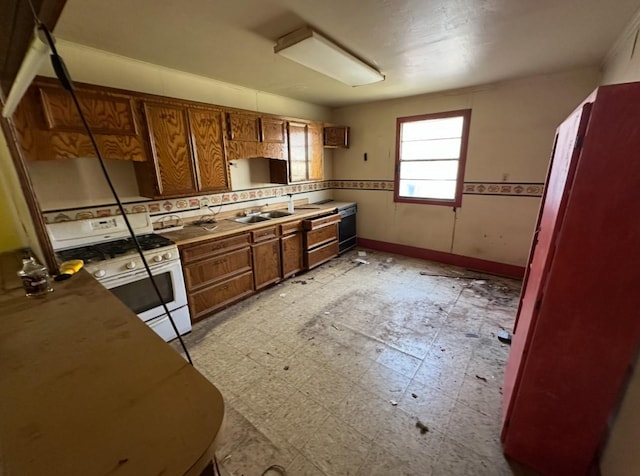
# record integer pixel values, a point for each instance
(163, 207)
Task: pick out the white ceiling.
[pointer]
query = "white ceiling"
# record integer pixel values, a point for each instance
(420, 45)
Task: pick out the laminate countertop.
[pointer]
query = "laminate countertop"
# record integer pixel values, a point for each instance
(87, 388)
(227, 226)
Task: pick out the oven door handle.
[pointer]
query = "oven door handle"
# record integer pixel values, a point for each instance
(114, 281)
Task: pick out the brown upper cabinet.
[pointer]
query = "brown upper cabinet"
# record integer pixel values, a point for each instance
(273, 130)
(253, 136)
(179, 147)
(306, 156)
(336, 137)
(244, 127)
(50, 128)
(186, 148)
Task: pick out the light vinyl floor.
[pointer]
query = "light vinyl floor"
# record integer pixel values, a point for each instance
(328, 372)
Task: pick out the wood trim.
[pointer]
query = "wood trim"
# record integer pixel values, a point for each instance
(457, 201)
(476, 264)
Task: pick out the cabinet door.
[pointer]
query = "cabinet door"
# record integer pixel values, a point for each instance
(243, 127)
(170, 147)
(106, 114)
(266, 263)
(291, 246)
(273, 130)
(336, 136)
(297, 152)
(206, 136)
(49, 127)
(315, 152)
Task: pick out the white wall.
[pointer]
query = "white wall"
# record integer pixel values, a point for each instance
(621, 455)
(78, 182)
(16, 228)
(622, 64)
(511, 135)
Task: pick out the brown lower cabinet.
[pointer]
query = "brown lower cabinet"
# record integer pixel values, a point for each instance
(222, 271)
(266, 256)
(291, 248)
(217, 273)
(320, 240)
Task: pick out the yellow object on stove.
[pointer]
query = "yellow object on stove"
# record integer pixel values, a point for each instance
(69, 268)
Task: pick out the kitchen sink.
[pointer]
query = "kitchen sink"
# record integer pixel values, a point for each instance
(275, 214)
(251, 219)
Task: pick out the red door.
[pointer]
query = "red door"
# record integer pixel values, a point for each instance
(561, 171)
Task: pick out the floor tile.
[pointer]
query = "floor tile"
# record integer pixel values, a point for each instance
(336, 448)
(428, 404)
(385, 382)
(475, 430)
(456, 459)
(297, 419)
(398, 361)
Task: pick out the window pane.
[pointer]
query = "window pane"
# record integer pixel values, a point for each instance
(432, 129)
(438, 189)
(430, 149)
(434, 170)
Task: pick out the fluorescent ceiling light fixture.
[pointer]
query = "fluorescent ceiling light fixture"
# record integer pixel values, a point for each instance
(311, 49)
(36, 54)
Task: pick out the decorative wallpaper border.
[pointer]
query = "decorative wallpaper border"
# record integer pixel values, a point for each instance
(533, 189)
(176, 205)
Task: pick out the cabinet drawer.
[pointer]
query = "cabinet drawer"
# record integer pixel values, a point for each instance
(321, 236)
(214, 247)
(266, 233)
(208, 300)
(315, 223)
(291, 227)
(320, 254)
(218, 268)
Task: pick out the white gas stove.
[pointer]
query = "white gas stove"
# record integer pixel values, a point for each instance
(111, 257)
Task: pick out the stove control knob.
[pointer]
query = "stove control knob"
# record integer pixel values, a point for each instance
(157, 258)
(130, 265)
(100, 273)
(168, 255)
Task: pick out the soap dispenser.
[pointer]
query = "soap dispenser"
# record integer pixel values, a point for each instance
(290, 207)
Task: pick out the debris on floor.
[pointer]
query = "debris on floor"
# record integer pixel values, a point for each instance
(299, 281)
(394, 403)
(286, 367)
(283, 294)
(504, 337)
(422, 427)
(360, 261)
(389, 260)
(336, 327)
(472, 334)
(362, 253)
(484, 379)
(414, 395)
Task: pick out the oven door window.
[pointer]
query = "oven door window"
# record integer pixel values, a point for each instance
(139, 296)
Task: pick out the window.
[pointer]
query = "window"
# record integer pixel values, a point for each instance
(430, 156)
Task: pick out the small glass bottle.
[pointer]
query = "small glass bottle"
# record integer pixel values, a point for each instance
(35, 277)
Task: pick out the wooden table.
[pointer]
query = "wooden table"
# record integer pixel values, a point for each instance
(86, 388)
